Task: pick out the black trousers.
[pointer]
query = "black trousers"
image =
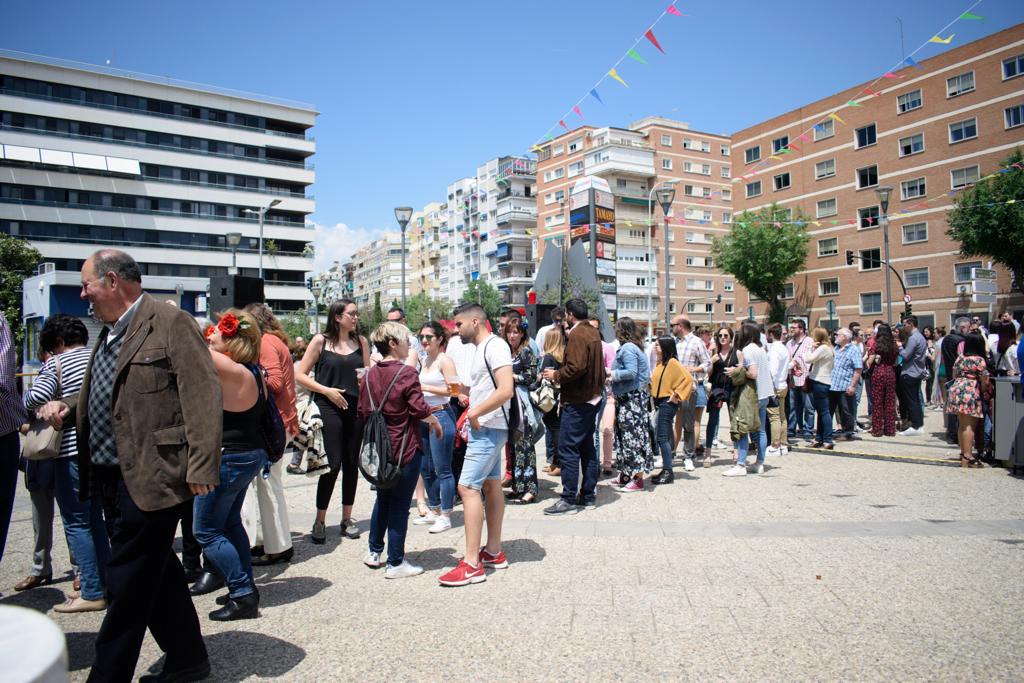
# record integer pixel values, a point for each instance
(10, 449)
(343, 435)
(909, 391)
(459, 454)
(145, 587)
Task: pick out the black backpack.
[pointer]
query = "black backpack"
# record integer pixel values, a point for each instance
(376, 461)
(272, 429)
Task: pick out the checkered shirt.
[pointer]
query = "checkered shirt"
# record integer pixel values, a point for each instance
(102, 447)
(845, 362)
(693, 353)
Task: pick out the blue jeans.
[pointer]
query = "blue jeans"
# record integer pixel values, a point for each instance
(217, 520)
(666, 430)
(819, 395)
(743, 445)
(714, 420)
(576, 451)
(391, 513)
(799, 423)
(437, 462)
(84, 528)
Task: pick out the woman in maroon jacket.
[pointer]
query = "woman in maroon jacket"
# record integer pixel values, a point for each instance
(403, 409)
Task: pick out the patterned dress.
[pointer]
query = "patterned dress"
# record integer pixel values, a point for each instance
(524, 455)
(634, 450)
(883, 396)
(965, 390)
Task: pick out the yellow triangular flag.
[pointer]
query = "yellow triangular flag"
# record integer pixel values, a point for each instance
(535, 148)
(816, 223)
(941, 41)
(773, 156)
(835, 117)
(615, 74)
(629, 224)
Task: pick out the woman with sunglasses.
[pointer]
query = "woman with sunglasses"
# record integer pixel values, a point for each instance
(337, 355)
(722, 357)
(438, 378)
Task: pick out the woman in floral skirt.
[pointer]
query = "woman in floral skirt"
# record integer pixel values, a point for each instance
(524, 455)
(970, 381)
(630, 373)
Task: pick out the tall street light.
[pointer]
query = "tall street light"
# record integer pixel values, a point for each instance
(262, 213)
(403, 214)
(666, 195)
(233, 240)
(883, 199)
(650, 253)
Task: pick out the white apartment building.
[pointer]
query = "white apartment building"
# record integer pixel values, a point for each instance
(377, 269)
(459, 260)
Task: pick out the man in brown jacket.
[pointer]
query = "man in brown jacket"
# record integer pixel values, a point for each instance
(582, 380)
(149, 430)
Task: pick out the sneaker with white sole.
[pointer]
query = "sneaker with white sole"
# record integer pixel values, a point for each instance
(735, 471)
(910, 431)
(783, 450)
(633, 486)
(403, 571)
(428, 518)
(717, 444)
(688, 465)
(757, 468)
(772, 452)
(372, 560)
(443, 523)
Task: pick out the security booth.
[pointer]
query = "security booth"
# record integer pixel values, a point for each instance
(1008, 421)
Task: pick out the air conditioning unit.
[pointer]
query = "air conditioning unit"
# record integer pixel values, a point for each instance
(46, 267)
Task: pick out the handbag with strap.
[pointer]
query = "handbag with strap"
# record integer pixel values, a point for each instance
(42, 442)
(544, 396)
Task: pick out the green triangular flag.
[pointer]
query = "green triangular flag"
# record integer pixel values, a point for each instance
(853, 103)
(785, 150)
(971, 15)
(636, 55)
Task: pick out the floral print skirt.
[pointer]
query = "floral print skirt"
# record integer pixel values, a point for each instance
(634, 450)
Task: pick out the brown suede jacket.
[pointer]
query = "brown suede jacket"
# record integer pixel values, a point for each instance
(582, 375)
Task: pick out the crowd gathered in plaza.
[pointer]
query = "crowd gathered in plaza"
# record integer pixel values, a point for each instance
(169, 422)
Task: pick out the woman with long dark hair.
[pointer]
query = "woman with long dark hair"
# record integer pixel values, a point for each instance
(752, 372)
(882, 363)
(632, 427)
(721, 386)
(671, 386)
(337, 356)
(966, 393)
(524, 373)
(553, 357)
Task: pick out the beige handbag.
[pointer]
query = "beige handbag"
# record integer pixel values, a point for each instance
(42, 441)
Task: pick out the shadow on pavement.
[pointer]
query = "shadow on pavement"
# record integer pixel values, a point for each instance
(434, 559)
(81, 650)
(239, 655)
(40, 599)
(284, 591)
(523, 550)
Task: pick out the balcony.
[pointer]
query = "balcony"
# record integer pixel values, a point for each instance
(519, 168)
(622, 157)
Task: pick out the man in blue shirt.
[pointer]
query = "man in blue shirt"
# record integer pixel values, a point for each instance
(847, 367)
(912, 374)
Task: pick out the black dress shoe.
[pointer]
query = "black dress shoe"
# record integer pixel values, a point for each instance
(196, 672)
(245, 607)
(207, 583)
(192, 573)
(561, 508)
(223, 599)
(273, 558)
(664, 477)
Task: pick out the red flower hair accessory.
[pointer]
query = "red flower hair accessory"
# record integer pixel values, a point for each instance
(229, 325)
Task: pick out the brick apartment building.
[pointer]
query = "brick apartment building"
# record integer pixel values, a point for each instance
(930, 131)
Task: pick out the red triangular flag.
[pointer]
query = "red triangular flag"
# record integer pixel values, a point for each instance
(672, 10)
(654, 41)
(562, 124)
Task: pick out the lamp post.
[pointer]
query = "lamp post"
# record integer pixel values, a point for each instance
(883, 199)
(262, 213)
(666, 195)
(233, 240)
(403, 214)
(650, 252)
(316, 288)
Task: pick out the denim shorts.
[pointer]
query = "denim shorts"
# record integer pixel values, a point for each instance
(702, 395)
(484, 457)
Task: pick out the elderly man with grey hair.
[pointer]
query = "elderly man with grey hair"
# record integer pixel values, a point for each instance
(847, 368)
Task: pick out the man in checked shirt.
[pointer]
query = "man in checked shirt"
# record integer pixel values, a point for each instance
(694, 357)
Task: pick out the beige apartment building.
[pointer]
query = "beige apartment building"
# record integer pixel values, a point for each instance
(377, 268)
(928, 132)
(634, 161)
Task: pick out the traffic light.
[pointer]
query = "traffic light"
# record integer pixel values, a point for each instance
(849, 257)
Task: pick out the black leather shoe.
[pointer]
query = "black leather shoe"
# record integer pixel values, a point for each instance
(664, 477)
(207, 583)
(197, 672)
(192, 573)
(223, 599)
(561, 508)
(273, 558)
(245, 607)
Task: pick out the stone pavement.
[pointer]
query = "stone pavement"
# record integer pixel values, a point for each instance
(822, 568)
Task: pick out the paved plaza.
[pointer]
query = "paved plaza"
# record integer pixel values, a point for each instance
(825, 567)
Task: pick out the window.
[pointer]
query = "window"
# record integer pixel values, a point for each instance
(703, 169)
(870, 303)
(916, 277)
(641, 282)
(666, 140)
(826, 207)
(724, 149)
(781, 181)
(867, 177)
(825, 129)
(867, 217)
(865, 137)
(908, 101)
(962, 177)
(958, 85)
(828, 287)
(962, 271)
(726, 173)
(558, 151)
(576, 145)
(753, 189)
(912, 144)
(912, 189)
(727, 195)
(726, 217)
(779, 144)
(560, 196)
(915, 232)
(788, 291)
(554, 174)
(727, 286)
(688, 144)
(870, 259)
(575, 168)
(666, 164)
(705, 146)
(825, 169)
(752, 154)
(728, 309)
(1013, 67)
(1014, 117)
(963, 130)
(828, 246)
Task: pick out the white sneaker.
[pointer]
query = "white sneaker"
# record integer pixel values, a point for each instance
(688, 465)
(717, 444)
(783, 450)
(735, 471)
(443, 523)
(402, 571)
(372, 560)
(772, 452)
(428, 518)
(756, 468)
(911, 432)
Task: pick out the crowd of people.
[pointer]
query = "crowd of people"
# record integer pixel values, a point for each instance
(164, 424)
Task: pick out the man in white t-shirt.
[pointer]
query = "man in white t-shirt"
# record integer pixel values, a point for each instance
(778, 362)
(491, 385)
(557, 321)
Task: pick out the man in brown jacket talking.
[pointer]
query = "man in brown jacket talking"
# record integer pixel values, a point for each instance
(148, 417)
(582, 379)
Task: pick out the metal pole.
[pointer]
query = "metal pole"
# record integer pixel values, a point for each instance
(234, 260)
(263, 212)
(668, 322)
(403, 267)
(888, 269)
(650, 265)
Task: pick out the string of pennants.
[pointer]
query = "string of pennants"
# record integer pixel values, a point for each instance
(865, 93)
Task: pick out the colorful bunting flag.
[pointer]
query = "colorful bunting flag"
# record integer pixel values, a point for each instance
(970, 15)
(671, 9)
(942, 41)
(636, 56)
(872, 93)
(804, 136)
(576, 110)
(654, 41)
(562, 124)
(615, 74)
(853, 103)
(593, 93)
(889, 74)
(909, 61)
(835, 117)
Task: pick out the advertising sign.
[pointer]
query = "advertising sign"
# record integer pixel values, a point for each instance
(604, 199)
(610, 301)
(606, 250)
(605, 267)
(577, 200)
(603, 215)
(606, 232)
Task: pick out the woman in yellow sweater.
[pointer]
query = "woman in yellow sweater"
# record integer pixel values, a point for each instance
(671, 385)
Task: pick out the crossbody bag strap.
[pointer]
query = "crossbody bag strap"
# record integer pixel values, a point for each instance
(487, 363)
(387, 393)
(60, 383)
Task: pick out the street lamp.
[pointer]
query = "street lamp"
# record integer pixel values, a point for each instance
(403, 214)
(883, 193)
(650, 251)
(666, 195)
(233, 240)
(262, 213)
(316, 288)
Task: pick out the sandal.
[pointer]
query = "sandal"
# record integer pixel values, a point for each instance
(524, 499)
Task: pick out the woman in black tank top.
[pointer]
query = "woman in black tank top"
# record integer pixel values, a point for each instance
(337, 355)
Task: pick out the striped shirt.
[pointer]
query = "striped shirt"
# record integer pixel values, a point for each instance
(44, 389)
(12, 413)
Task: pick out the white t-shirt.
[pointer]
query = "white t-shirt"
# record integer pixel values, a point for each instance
(462, 355)
(755, 355)
(499, 355)
(778, 361)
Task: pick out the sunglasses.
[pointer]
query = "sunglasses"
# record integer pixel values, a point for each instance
(427, 337)
(724, 336)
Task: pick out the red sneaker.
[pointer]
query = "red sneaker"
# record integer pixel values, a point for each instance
(498, 561)
(463, 575)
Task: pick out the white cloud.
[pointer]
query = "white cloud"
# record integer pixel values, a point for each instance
(338, 243)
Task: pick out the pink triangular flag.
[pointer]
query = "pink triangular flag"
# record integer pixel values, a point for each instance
(576, 109)
(804, 136)
(562, 124)
(889, 74)
(671, 9)
(654, 41)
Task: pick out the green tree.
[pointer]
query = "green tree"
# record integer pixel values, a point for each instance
(573, 287)
(375, 317)
(18, 259)
(985, 225)
(421, 308)
(763, 251)
(297, 324)
(481, 292)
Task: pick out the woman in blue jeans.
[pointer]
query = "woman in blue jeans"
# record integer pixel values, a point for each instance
(437, 377)
(820, 377)
(217, 522)
(671, 385)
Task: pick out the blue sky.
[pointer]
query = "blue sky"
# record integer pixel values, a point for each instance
(414, 95)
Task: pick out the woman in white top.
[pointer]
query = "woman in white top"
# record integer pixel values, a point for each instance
(820, 379)
(754, 359)
(437, 378)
